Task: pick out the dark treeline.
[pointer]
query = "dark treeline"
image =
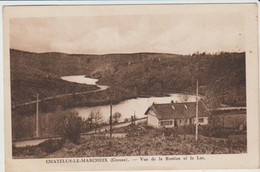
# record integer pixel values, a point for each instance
(221, 76)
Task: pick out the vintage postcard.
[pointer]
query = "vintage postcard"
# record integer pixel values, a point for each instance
(131, 87)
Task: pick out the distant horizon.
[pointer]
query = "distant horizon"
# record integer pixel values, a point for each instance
(199, 53)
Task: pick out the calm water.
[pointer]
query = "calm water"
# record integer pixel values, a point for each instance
(81, 79)
(128, 107)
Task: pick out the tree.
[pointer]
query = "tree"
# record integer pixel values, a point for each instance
(96, 116)
(116, 117)
(68, 125)
(126, 120)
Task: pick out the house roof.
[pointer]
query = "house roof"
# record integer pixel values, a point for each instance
(178, 110)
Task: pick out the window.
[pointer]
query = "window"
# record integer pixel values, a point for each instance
(166, 122)
(201, 120)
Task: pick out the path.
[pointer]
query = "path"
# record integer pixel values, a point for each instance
(62, 95)
(33, 142)
(229, 108)
(120, 125)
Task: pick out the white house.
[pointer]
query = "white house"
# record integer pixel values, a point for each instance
(176, 114)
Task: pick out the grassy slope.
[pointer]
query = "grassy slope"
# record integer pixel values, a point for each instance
(139, 142)
(33, 73)
(221, 76)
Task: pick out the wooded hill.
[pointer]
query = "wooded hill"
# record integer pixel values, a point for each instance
(221, 76)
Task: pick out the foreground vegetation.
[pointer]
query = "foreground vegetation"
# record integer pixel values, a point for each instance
(139, 141)
(60, 122)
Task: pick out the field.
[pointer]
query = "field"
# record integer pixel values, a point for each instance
(139, 141)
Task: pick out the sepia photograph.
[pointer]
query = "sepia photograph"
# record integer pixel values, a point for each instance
(129, 81)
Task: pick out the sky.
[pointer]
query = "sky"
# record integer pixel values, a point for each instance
(178, 33)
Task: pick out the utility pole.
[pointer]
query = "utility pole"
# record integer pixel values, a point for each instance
(223, 124)
(91, 123)
(110, 121)
(197, 111)
(37, 116)
(134, 117)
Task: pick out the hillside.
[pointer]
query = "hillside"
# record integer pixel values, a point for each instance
(139, 140)
(221, 76)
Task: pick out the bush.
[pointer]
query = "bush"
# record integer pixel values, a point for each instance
(217, 132)
(209, 131)
(186, 129)
(51, 146)
(69, 127)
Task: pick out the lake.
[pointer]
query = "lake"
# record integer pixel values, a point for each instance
(81, 79)
(134, 106)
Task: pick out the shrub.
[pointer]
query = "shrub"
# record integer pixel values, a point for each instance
(217, 132)
(69, 125)
(51, 146)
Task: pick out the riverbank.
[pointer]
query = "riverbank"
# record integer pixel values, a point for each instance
(91, 98)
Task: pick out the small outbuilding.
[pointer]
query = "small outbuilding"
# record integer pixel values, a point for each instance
(176, 114)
